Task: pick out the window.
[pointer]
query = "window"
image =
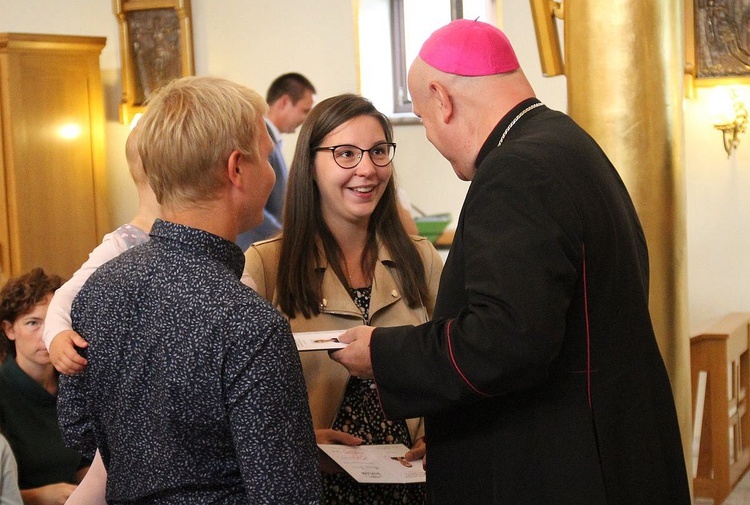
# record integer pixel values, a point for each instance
(391, 33)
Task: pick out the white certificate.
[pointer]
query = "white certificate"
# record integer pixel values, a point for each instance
(318, 340)
(376, 464)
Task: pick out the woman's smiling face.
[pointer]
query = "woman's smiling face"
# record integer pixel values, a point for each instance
(351, 194)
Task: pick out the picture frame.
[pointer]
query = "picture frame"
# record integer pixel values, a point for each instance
(717, 42)
(156, 46)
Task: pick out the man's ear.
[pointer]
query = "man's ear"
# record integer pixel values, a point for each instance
(234, 171)
(445, 103)
(285, 101)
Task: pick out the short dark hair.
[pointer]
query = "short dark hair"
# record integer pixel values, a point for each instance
(19, 295)
(292, 84)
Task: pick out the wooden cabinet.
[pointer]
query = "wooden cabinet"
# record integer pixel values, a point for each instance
(53, 204)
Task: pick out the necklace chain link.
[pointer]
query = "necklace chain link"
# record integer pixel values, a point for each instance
(515, 120)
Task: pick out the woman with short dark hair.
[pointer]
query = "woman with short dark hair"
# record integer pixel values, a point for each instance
(48, 472)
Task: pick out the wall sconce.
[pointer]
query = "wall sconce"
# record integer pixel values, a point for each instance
(732, 124)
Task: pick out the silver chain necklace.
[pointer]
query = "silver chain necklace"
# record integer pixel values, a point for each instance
(515, 120)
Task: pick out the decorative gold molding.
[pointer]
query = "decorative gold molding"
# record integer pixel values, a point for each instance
(545, 13)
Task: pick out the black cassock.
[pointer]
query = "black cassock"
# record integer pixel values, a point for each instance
(540, 378)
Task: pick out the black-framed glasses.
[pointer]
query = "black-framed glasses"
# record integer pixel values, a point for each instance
(348, 156)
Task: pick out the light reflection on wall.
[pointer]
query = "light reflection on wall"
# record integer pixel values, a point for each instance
(69, 131)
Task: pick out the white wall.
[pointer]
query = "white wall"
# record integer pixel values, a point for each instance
(253, 41)
(718, 216)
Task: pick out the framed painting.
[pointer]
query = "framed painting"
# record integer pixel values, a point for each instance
(717, 45)
(156, 46)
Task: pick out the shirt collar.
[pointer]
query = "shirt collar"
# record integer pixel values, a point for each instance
(27, 386)
(200, 242)
(275, 133)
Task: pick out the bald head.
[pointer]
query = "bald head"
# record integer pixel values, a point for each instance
(464, 81)
(460, 112)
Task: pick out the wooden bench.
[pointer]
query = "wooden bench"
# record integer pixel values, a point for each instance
(722, 426)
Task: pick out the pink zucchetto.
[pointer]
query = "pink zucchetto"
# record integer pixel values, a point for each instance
(469, 48)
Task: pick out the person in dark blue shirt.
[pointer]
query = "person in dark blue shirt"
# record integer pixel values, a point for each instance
(193, 391)
(290, 98)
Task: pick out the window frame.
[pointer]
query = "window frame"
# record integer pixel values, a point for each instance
(401, 101)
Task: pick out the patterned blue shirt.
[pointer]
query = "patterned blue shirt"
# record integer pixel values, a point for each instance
(194, 391)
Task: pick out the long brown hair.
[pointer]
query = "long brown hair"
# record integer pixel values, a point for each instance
(298, 284)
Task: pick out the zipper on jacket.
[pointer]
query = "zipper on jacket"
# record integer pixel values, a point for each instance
(358, 315)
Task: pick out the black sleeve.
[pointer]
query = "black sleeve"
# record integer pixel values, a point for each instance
(521, 251)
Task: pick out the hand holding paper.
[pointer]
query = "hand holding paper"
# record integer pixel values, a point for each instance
(356, 356)
(318, 340)
(376, 464)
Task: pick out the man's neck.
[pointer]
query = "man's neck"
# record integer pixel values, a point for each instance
(212, 216)
(274, 130)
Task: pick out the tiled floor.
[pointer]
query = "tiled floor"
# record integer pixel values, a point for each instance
(740, 495)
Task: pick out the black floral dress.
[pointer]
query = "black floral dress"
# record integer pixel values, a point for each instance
(360, 415)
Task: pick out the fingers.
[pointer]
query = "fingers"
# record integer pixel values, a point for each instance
(78, 340)
(348, 336)
(327, 436)
(69, 363)
(52, 493)
(416, 453)
(73, 368)
(355, 333)
(355, 357)
(418, 450)
(63, 353)
(74, 358)
(346, 439)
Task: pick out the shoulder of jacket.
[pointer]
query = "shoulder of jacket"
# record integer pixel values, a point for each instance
(423, 244)
(267, 244)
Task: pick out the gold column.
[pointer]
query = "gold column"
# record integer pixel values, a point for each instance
(625, 69)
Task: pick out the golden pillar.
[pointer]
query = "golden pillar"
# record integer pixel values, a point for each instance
(624, 67)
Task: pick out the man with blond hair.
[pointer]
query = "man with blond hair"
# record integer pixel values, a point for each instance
(193, 391)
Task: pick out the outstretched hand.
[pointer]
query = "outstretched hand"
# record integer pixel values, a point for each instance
(356, 355)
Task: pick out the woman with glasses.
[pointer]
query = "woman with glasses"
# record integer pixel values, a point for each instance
(344, 259)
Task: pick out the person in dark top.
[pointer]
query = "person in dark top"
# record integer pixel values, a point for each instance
(290, 98)
(48, 472)
(539, 376)
(193, 391)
